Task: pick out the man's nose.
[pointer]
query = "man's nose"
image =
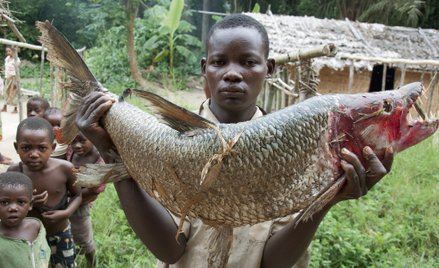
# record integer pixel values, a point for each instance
(33, 113)
(12, 207)
(34, 153)
(233, 74)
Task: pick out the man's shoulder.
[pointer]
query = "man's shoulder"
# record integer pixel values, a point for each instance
(56, 164)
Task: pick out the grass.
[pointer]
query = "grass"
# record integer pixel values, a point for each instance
(395, 225)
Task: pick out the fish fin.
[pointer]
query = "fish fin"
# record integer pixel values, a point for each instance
(82, 82)
(172, 115)
(220, 242)
(320, 201)
(93, 175)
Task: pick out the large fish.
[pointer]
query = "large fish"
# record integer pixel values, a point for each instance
(245, 173)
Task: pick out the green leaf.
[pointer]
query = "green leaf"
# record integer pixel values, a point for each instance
(163, 54)
(174, 15)
(256, 8)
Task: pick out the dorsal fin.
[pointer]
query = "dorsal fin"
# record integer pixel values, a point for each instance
(172, 115)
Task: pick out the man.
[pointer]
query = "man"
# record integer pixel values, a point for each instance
(235, 69)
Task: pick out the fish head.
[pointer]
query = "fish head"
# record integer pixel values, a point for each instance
(382, 119)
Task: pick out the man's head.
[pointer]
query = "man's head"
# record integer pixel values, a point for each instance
(241, 21)
(236, 65)
(34, 142)
(36, 106)
(15, 198)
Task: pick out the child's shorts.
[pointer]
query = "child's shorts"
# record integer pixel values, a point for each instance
(63, 249)
(82, 229)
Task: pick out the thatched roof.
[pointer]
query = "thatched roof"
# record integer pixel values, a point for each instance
(353, 39)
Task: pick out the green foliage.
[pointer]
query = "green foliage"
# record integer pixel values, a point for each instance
(152, 47)
(171, 23)
(117, 245)
(395, 225)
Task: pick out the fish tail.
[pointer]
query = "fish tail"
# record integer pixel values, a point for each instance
(82, 82)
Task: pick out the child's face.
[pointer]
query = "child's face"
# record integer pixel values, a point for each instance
(54, 119)
(81, 145)
(236, 67)
(35, 108)
(9, 52)
(34, 148)
(15, 203)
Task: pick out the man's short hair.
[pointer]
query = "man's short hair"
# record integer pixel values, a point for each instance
(241, 20)
(35, 123)
(44, 103)
(14, 179)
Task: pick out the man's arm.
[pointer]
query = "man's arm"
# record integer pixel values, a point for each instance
(151, 222)
(285, 247)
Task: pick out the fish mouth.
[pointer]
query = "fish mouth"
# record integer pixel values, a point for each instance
(417, 107)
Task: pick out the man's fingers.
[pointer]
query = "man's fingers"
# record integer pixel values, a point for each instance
(352, 186)
(103, 102)
(360, 171)
(388, 158)
(376, 170)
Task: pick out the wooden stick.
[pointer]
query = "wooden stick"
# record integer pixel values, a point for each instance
(17, 84)
(431, 88)
(20, 44)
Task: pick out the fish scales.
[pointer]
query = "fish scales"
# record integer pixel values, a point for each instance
(272, 165)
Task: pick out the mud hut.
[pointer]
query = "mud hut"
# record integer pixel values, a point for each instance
(370, 56)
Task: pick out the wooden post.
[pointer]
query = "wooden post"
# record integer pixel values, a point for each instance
(269, 102)
(431, 88)
(351, 76)
(383, 81)
(41, 72)
(402, 78)
(17, 84)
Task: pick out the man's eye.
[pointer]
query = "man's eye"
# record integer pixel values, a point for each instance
(25, 148)
(218, 62)
(250, 63)
(4, 203)
(21, 202)
(43, 149)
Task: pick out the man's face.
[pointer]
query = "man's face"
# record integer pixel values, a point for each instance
(34, 148)
(81, 145)
(235, 68)
(15, 203)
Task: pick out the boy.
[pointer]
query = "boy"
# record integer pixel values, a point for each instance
(36, 106)
(234, 70)
(54, 116)
(22, 240)
(81, 152)
(56, 196)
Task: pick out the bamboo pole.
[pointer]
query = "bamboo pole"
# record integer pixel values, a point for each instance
(328, 50)
(383, 79)
(351, 76)
(20, 44)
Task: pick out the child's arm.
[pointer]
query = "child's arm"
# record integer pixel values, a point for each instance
(74, 191)
(285, 247)
(149, 219)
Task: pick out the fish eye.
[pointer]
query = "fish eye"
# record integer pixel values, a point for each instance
(387, 106)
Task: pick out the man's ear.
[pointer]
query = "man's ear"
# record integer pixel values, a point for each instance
(271, 65)
(53, 146)
(203, 66)
(16, 147)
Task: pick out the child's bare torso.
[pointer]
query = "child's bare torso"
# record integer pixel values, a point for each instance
(53, 179)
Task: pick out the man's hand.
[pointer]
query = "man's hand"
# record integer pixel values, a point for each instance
(361, 179)
(88, 119)
(38, 200)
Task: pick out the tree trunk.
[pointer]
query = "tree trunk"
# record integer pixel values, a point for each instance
(132, 57)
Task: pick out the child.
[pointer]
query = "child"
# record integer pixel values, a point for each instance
(37, 106)
(81, 152)
(54, 116)
(10, 79)
(56, 196)
(22, 240)
(235, 69)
